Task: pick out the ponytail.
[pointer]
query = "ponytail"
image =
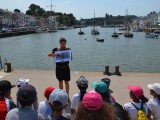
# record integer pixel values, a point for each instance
(82, 92)
(143, 99)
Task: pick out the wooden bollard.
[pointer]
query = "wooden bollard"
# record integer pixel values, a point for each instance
(117, 72)
(106, 72)
(7, 67)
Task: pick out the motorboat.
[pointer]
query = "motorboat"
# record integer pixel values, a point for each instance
(81, 33)
(100, 40)
(50, 30)
(120, 33)
(62, 28)
(129, 35)
(39, 30)
(157, 31)
(122, 28)
(151, 35)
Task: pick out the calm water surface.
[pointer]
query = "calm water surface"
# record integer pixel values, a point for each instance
(136, 54)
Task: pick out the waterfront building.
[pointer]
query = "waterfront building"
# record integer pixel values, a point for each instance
(9, 19)
(153, 17)
(5, 18)
(25, 20)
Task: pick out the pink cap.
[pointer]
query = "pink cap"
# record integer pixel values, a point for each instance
(92, 101)
(136, 90)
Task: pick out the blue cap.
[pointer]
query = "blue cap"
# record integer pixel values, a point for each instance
(100, 87)
(59, 95)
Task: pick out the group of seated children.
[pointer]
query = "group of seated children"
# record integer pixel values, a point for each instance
(97, 104)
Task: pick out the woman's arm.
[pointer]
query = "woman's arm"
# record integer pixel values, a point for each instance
(51, 54)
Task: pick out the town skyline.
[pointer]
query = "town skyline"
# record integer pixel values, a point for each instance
(85, 10)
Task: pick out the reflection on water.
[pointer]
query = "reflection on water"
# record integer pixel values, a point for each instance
(136, 54)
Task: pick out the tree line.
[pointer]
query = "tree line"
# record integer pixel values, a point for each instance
(110, 20)
(37, 11)
(70, 20)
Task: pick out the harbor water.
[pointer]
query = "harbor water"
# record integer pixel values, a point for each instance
(137, 54)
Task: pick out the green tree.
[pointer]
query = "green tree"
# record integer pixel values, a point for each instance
(17, 10)
(35, 10)
(62, 18)
(72, 19)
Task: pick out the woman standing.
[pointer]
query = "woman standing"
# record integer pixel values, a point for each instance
(62, 68)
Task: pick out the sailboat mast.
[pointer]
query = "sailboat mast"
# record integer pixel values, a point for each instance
(80, 24)
(94, 20)
(114, 25)
(127, 31)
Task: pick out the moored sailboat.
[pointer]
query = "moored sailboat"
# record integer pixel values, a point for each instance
(127, 33)
(81, 32)
(115, 35)
(94, 31)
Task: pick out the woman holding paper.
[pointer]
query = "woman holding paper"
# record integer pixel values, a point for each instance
(62, 68)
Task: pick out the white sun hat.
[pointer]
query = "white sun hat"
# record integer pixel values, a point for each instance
(21, 82)
(155, 87)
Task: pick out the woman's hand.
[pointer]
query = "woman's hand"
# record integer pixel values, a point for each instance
(60, 55)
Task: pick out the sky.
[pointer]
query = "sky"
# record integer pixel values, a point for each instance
(85, 8)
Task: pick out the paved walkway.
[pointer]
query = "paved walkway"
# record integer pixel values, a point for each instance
(3, 74)
(41, 79)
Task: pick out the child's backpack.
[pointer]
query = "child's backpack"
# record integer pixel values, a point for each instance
(141, 114)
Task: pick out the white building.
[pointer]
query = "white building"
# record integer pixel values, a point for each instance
(24, 20)
(5, 18)
(8, 19)
(153, 17)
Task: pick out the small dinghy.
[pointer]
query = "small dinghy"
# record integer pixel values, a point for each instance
(100, 40)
